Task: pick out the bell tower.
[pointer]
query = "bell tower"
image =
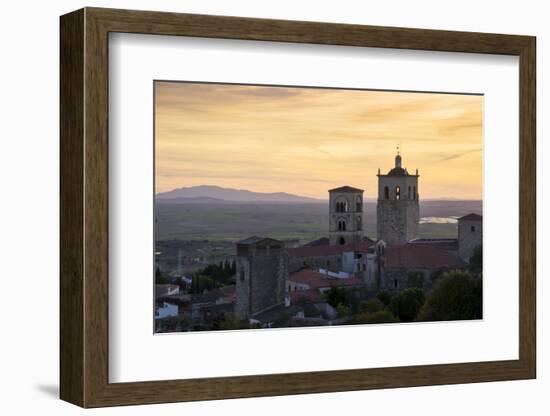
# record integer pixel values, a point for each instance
(397, 210)
(346, 215)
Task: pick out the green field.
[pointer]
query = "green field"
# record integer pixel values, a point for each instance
(304, 222)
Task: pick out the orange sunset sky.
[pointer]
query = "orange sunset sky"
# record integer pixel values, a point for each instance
(305, 141)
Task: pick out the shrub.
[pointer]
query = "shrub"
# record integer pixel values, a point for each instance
(456, 296)
(384, 297)
(380, 317)
(407, 304)
(338, 295)
(371, 306)
(343, 310)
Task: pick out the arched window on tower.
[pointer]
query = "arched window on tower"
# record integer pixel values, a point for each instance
(341, 206)
(358, 204)
(397, 192)
(341, 225)
(359, 225)
(386, 192)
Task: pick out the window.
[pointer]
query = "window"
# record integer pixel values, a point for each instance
(342, 242)
(386, 192)
(395, 284)
(341, 225)
(358, 204)
(473, 229)
(341, 206)
(359, 225)
(397, 192)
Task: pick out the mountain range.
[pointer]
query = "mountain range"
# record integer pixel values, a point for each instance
(216, 194)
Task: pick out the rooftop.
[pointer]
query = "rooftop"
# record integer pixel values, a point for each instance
(316, 280)
(398, 172)
(328, 250)
(471, 217)
(449, 244)
(346, 188)
(255, 240)
(420, 255)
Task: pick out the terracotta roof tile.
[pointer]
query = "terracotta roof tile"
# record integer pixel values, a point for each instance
(319, 251)
(420, 255)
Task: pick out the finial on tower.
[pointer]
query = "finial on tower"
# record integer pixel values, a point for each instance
(398, 159)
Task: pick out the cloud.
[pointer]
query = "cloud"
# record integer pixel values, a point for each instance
(300, 140)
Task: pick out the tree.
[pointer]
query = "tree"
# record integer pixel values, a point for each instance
(476, 261)
(338, 295)
(200, 283)
(456, 296)
(229, 323)
(343, 310)
(372, 305)
(380, 317)
(407, 304)
(160, 278)
(384, 297)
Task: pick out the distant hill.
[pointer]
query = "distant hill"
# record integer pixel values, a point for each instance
(216, 194)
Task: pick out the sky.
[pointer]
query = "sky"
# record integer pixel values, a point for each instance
(306, 141)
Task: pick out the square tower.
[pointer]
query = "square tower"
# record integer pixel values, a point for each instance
(345, 215)
(262, 269)
(397, 209)
(470, 235)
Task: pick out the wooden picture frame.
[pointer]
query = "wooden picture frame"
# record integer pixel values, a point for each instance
(84, 207)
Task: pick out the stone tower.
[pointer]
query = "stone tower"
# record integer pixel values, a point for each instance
(397, 212)
(470, 235)
(346, 215)
(262, 270)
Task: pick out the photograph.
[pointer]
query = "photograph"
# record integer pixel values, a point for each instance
(280, 206)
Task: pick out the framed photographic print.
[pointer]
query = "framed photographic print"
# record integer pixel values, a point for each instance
(255, 207)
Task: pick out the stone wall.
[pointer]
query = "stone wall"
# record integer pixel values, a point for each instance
(404, 279)
(260, 279)
(352, 217)
(470, 236)
(397, 215)
(397, 221)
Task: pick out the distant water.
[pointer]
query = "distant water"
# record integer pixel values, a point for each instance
(438, 220)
